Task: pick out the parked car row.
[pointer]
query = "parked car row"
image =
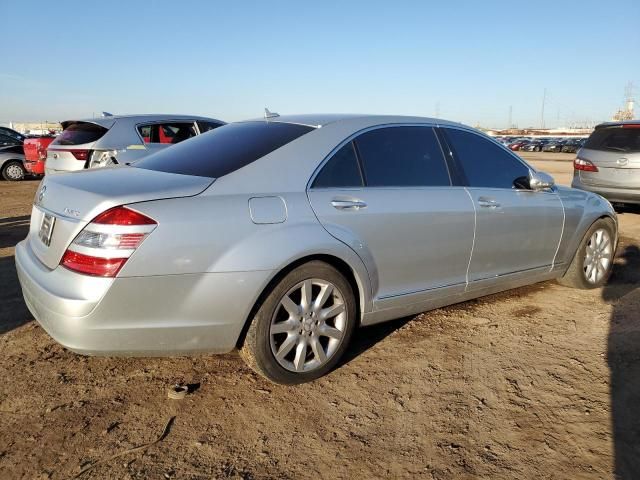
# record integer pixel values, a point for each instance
(564, 145)
(280, 236)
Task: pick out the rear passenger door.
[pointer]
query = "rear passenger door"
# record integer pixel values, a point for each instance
(388, 194)
(517, 229)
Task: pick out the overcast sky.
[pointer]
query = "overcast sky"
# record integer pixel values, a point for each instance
(468, 61)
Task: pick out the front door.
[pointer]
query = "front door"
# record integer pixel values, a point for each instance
(517, 229)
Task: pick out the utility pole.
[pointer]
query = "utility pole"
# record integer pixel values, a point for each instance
(437, 109)
(544, 100)
(510, 124)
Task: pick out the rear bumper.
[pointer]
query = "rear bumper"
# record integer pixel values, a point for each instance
(136, 316)
(613, 194)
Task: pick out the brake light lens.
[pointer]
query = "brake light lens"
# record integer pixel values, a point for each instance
(79, 154)
(631, 125)
(584, 165)
(88, 265)
(106, 243)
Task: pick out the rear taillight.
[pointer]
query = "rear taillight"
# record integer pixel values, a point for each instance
(79, 154)
(104, 245)
(631, 125)
(584, 165)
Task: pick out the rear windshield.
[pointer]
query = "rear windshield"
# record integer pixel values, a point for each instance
(223, 150)
(79, 133)
(615, 139)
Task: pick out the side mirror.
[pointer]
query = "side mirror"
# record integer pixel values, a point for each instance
(540, 181)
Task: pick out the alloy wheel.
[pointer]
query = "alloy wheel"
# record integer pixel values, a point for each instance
(308, 325)
(598, 256)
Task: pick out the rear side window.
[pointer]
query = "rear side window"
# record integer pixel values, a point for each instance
(167, 133)
(484, 163)
(225, 149)
(615, 139)
(402, 157)
(341, 171)
(80, 133)
(206, 126)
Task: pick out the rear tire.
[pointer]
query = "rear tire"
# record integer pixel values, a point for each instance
(592, 263)
(303, 326)
(13, 171)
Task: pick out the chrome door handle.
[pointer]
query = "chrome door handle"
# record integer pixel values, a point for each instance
(488, 202)
(348, 204)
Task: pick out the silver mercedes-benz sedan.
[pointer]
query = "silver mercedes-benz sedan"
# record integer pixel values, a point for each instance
(280, 236)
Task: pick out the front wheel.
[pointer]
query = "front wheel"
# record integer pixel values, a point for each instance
(303, 326)
(593, 261)
(13, 171)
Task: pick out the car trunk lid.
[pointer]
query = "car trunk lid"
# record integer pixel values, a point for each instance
(64, 204)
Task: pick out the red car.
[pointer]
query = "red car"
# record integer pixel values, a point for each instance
(35, 153)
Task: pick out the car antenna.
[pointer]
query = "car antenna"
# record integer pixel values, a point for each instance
(107, 114)
(268, 114)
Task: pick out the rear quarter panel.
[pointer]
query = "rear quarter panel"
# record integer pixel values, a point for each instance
(215, 233)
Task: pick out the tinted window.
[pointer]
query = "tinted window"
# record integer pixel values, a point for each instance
(79, 133)
(341, 170)
(12, 133)
(206, 126)
(615, 139)
(7, 140)
(402, 156)
(224, 149)
(484, 163)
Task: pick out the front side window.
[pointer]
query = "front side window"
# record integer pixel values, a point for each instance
(225, 149)
(341, 171)
(484, 163)
(206, 126)
(402, 157)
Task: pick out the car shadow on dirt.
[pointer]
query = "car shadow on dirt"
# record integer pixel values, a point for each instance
(623, 357)
(13, 229)
(366, 337)
(13, 311)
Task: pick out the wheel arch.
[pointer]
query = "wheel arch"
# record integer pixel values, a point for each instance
(358, 285)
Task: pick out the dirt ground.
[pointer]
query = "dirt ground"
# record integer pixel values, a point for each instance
(540, 382)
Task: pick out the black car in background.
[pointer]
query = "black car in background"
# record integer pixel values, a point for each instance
(9, 137)
(573, 145)
(555, 146)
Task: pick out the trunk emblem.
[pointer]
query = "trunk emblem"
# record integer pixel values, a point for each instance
(622, 161)
(41, 193)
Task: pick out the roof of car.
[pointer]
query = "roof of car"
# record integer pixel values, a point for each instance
(149, 117)
(615, 124)
(318, 120)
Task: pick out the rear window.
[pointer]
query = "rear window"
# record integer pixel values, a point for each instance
(224, 150)
(615, 139)
(80, 133)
